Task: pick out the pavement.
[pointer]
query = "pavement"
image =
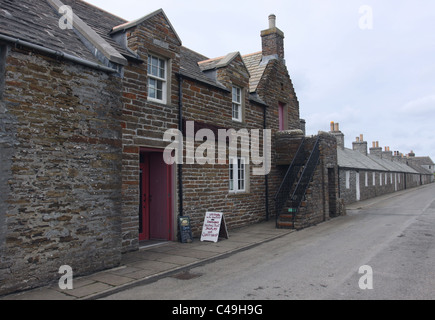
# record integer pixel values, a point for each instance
(155, 262)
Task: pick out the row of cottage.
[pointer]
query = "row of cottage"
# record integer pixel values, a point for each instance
(84, 108)
(367, 173)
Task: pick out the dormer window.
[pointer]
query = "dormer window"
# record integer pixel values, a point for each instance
(157, 79)
(237, 104)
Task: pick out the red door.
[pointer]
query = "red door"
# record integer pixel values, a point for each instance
(156, 210)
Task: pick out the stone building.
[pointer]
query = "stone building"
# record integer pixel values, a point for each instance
(86, 99)
(424, 162)
(364, 175)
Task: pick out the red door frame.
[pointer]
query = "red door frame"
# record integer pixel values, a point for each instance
(145, 168)
(145, 210)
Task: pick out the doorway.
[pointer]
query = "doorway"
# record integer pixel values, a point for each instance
(332, 193)
(155, 209)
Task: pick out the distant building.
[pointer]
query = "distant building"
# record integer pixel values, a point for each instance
(425, 162)
(364, 175)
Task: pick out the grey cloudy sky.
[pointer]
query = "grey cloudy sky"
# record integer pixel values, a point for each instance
(379, 81)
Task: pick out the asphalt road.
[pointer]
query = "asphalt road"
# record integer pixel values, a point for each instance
(394, 236)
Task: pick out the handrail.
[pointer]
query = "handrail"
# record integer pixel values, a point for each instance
(306, 176)
(289, 179)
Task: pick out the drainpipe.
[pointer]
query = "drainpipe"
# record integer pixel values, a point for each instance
(180, 127)
(266, 178)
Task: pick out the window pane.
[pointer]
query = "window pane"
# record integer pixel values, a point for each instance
(162, 73)
(235, 111)
(152, 88)
(159, 95)
(236, 95)
(241, 167)
(159, 85)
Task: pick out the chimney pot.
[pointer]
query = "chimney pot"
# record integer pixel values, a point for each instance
(332, 126)
(272, 21)
(361, 137)
(337, 127)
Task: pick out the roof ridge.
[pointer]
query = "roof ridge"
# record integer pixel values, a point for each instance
(251, 54)
(92, 36)
(211, 59)
(195, 52)
(100, 9)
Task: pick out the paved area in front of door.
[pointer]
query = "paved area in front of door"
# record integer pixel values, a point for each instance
(152, 263)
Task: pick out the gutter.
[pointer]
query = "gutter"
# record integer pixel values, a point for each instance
(58, 54)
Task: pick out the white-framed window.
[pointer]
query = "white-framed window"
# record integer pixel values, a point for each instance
(366, 179)
(347, 179)
(380, 178)
(238, 170)
(374, 178)
(157, 79)
(237, 104)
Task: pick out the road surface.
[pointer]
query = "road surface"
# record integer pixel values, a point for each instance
(395, 237)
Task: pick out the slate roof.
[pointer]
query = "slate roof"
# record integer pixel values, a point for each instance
(417, 167)
(392, 165)
(423, 161)
(190, 68)
(352, 159)
(348, 158)
(38, 23)
(100, 21)
(255, 68)
(217, 63)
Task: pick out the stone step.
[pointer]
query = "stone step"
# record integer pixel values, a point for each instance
(286, 217)
(285, 225)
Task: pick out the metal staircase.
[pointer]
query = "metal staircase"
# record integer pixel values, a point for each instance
(292, 192)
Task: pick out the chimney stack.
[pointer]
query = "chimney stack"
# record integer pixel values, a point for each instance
(273, 40)
(335, 131)
(387, 154)
(376, 150)
(398, 157)
(360, 145)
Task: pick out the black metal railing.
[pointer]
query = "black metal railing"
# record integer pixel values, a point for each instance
(305, 178)
(289, 180)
